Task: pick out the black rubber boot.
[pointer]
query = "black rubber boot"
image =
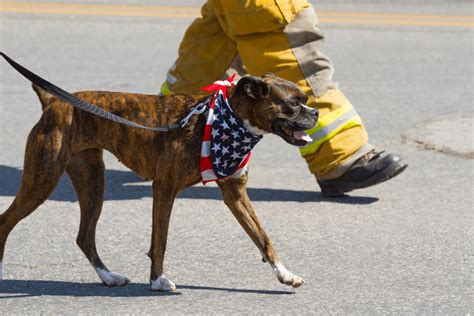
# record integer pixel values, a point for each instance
(371, 169)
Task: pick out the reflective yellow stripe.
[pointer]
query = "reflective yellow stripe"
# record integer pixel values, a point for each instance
(330, 117)
(313, 147)
(165, 90)
(331, 124)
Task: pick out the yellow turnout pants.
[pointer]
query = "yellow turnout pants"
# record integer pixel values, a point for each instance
(282, 37)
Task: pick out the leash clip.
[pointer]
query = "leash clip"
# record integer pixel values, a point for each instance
(198, 109)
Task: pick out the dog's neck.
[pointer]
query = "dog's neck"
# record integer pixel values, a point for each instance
(242, 107)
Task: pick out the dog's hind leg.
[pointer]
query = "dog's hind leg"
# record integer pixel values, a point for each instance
(86, 171)
(45, 159)
(236, 198)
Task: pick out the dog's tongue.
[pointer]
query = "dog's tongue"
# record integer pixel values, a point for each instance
(302, 136)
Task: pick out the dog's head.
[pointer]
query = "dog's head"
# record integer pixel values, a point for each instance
(273, 105)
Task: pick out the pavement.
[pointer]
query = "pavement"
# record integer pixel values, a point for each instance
(402, 247)
(451, 135)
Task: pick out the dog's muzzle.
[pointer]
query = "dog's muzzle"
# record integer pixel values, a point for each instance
(292, 131)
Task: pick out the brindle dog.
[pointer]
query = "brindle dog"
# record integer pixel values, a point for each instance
(71, 140)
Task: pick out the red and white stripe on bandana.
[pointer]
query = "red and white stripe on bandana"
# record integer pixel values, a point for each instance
(226, 145)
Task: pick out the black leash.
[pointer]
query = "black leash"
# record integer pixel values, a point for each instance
(91, 108)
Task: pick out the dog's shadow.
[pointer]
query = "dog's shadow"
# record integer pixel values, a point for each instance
(125, 185)
(32, 288)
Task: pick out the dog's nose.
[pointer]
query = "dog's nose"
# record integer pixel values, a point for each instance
(314, 113)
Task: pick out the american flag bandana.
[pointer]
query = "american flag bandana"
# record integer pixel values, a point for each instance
(227, 144)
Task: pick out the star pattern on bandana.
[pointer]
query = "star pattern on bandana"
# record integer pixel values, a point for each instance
(231, 142)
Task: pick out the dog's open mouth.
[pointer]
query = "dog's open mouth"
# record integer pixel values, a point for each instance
(293, 137)
(302, 136)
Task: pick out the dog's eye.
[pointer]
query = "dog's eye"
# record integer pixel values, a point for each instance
(291, 107)
(292, 103)
(304, 99)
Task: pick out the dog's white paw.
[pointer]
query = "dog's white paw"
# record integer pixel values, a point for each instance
(287, 277)
(111, 279)
(162, 284)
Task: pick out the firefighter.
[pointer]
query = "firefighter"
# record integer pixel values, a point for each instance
(283, 37)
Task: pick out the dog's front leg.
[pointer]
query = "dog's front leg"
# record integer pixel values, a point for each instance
(163, 198)
(236, 198)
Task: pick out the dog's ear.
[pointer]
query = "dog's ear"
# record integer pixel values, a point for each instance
(253, 87)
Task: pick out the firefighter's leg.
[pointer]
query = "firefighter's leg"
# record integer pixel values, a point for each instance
(205, 54)
(282, 37)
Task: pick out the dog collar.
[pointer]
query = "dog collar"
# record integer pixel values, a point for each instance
(227, 144)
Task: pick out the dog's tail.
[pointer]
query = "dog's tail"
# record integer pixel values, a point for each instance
(45, 97)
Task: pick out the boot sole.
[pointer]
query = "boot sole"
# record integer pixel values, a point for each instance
(343, 186)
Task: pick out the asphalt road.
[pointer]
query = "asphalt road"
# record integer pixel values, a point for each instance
(405, 246)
